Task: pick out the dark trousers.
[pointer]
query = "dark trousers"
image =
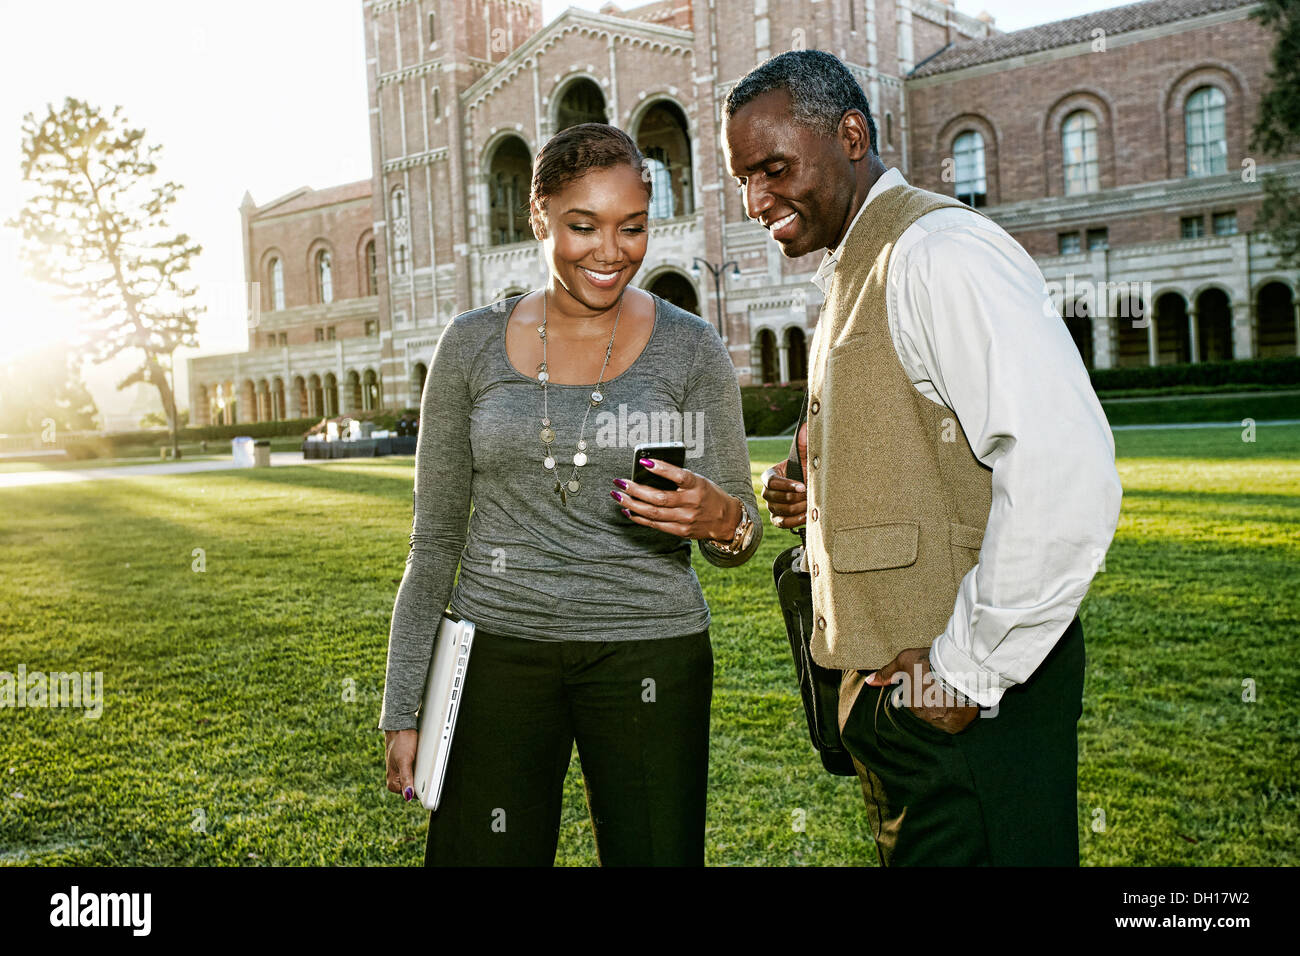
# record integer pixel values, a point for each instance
(639, 711)
(1003, 792)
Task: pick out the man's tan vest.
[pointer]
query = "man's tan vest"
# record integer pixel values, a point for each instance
(897, 501)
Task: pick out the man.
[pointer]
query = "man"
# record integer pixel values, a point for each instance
(961, 485)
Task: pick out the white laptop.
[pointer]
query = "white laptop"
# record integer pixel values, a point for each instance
(437, 718)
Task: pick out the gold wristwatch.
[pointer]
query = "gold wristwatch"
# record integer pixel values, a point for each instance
(740, 540)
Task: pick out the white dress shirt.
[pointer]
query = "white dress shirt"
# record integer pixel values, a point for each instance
(976, 331)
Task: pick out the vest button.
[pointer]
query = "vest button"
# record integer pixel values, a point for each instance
(816, 407)
(817, 461)
(821, 623)
(814, 514)
(815, 570)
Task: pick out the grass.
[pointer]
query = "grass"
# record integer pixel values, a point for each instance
(240, 702)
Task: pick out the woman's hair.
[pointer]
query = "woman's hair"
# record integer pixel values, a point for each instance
(571, 153)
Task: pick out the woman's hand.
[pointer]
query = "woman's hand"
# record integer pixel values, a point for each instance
(697, 509)
(400, 746)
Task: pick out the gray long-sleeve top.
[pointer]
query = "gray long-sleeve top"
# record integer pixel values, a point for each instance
(530, 566)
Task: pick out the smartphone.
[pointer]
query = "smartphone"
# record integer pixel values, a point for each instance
(672, 452)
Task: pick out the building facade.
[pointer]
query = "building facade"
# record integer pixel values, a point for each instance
(1113, 146)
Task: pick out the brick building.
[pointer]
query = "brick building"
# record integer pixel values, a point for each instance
(1112, 145)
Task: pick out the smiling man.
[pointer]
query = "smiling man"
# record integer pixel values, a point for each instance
(961, 485)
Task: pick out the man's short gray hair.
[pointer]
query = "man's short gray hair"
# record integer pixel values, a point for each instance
(821, 90)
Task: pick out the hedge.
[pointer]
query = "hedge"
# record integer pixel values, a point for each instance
(770, 409)
(1280, 372)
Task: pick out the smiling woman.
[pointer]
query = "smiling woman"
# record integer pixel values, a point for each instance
(590, 622)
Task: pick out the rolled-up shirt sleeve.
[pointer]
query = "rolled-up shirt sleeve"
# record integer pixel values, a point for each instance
(971, 316)
(443, 472)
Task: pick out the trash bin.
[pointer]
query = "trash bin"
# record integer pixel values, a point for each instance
(241, 450)
(262, 453)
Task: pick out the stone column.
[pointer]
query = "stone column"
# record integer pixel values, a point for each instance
(1243, 339)
(1192, 339)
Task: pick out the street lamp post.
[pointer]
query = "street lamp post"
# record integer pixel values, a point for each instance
(716, 272)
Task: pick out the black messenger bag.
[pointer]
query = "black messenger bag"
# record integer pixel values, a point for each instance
(819, 687)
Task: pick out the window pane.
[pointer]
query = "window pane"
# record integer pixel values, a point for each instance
(1079, 153)
(1067, 243)
(1207, 135)
(968, 160)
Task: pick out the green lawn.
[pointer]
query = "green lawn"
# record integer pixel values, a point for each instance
(229, 734)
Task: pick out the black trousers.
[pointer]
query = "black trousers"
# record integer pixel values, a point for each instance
(1003, 792)
(639, 711)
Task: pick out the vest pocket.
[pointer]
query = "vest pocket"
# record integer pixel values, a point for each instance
(965, 542)
(875, 547)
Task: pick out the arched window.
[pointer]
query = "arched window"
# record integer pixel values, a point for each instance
(1079, 152)
(968, 158)
(1207, 133)
(399, 203)
(661, 183)
(399, 260)
(889, 125)
(277, 284)
(372, 267)
(437, 105)
(324, 277)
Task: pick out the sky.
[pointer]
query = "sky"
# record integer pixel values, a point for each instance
(262, 96)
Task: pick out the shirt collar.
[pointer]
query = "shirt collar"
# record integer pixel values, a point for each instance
(826, 269)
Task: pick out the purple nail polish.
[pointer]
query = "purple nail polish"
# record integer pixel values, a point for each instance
(647, 462)
(408, 793)
(621, 483)
(626, 512)
(616, 496)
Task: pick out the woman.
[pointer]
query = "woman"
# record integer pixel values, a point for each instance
(591, 625)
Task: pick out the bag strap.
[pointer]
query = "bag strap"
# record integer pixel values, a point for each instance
(793, 468)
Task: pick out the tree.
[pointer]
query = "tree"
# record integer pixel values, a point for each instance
(44, 387)
(96, 226)
(1277, 128)
(153, 420)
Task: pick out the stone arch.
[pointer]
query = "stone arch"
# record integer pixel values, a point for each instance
(675, 286)
(1131, 346)
(662, 130)
(352, 390)
(1275, 320)
(578, 97)
(1213, 323)
(371, 393)
(301, 399)
(248, 400)
(794, 338)
(419, 372)
(330, 387)
(1172, 332)
(315, 397)
(766, 357)
(507, 178)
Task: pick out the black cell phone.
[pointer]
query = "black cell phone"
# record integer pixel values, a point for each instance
(672, 452)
